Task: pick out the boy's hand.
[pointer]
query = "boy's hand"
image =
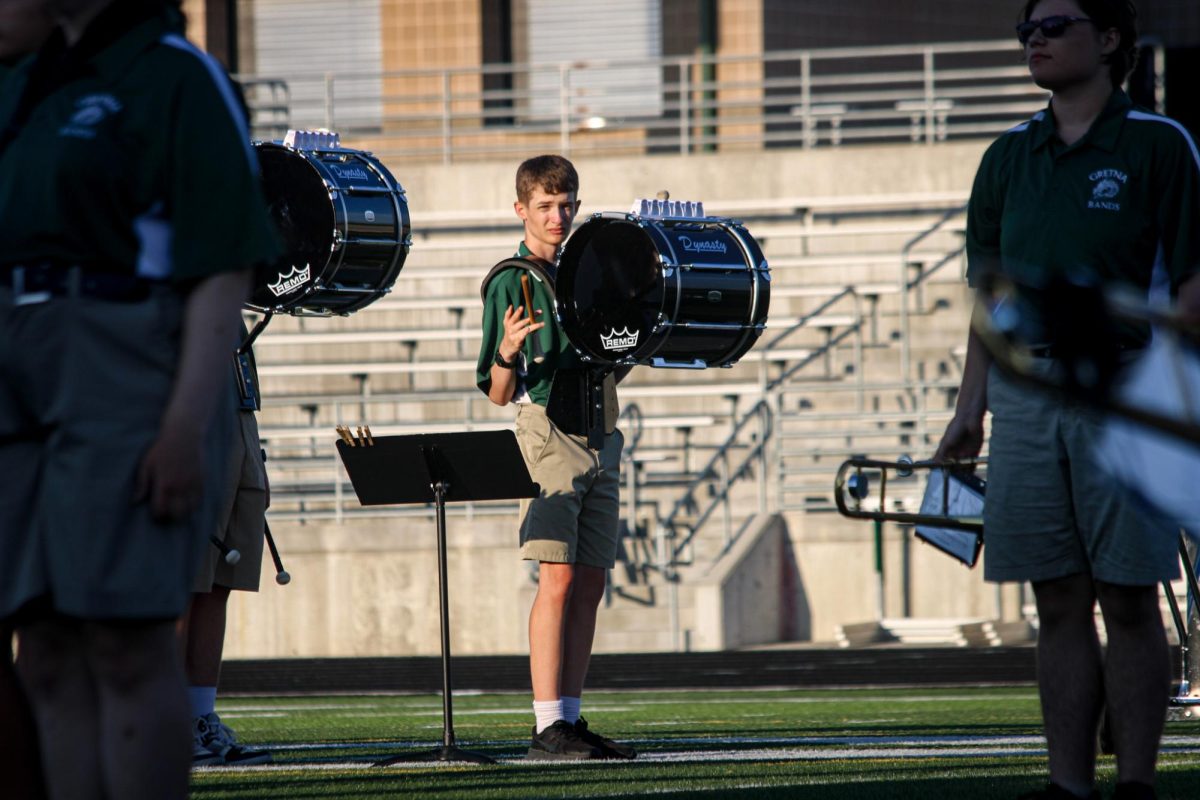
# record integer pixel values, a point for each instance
(516, 327)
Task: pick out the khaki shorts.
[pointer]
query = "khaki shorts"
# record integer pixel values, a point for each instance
(83, 385)
(576, 518)
(1050, 510)
(241, 515)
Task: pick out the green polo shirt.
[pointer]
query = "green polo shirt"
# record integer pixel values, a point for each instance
(134, 156)
(1121, 204)
(504, 291)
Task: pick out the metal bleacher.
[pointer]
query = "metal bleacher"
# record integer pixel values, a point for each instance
(833, 374)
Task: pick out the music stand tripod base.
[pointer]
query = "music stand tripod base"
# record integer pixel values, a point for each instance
(438, 468)
(1183, 709)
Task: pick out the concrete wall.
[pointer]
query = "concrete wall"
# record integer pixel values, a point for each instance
(748, 598)
(612, 183)
(369, 588)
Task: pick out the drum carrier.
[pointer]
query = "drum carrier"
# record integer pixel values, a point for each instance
(663, 286)
(344, 225)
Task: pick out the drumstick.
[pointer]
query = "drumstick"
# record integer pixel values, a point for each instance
(281, 575)
(230, 554)
(536, 345)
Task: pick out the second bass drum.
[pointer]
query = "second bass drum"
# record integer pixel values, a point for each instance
(663, 292)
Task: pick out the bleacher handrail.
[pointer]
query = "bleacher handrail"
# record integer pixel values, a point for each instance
(696, 102)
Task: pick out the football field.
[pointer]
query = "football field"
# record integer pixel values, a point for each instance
(963, 743)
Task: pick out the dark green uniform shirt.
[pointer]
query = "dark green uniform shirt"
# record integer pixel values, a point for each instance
(533, 379)
(130, 154)
(1121, 204)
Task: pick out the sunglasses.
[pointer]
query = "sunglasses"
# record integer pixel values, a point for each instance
(1052, 27)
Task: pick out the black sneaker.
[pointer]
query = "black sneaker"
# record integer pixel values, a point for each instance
(1134, 791)
(1055, 792)
(559, 742)
(607, 747)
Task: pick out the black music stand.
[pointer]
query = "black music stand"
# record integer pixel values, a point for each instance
(438, 468)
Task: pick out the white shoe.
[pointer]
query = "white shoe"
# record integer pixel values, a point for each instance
(203, 752)
(221, 741)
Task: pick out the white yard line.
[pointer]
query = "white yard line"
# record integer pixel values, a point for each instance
(233, 710)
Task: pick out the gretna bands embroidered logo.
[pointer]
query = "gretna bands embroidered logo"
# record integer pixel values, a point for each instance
(619, 339)
(693, 246)
(290, 282)
(91, 110)
(1106, 185)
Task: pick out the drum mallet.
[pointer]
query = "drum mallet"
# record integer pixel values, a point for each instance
(231, 554)
(536, 344)
(281, 575)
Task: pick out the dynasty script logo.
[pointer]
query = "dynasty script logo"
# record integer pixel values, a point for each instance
(351, 173)
(693, 246)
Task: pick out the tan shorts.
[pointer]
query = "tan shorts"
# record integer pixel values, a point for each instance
(240, 518)
(1050, 510)
(576, 518)
(83, 385)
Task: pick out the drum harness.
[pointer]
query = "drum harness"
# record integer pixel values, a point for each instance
(583, 401)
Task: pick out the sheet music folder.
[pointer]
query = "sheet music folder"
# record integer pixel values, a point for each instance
(476, 465)
(963, 500)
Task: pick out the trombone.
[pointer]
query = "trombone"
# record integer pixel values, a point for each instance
(853, 480)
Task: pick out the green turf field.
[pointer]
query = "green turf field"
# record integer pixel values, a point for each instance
(962, 743)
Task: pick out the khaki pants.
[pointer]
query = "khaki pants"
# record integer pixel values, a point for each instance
(576, 518)
(1050, 510)
(83, 385)
(241, 515)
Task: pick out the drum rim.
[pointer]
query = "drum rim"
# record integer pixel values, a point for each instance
(670, 274)
(297, 306)
(572, 320)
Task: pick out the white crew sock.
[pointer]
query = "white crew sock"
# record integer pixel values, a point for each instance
(571, 709)
(203, 700)
(547, 712)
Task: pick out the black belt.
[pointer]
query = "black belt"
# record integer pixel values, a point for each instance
(60, 281)
(1055, 351)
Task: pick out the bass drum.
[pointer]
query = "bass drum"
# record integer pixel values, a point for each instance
(343, 220)
(689, 293)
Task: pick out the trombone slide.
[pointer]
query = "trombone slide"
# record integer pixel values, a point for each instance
(852, 479)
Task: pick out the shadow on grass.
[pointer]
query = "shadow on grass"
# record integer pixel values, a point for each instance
(983, 779)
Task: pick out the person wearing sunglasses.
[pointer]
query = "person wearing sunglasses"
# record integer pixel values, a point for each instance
(1096, 189)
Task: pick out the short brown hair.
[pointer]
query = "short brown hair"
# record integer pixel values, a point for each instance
(1105, 14)
(551, 174)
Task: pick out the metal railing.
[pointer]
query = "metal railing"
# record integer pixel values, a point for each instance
(910, 285)
(700, 103)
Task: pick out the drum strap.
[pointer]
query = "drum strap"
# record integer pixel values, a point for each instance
(580, 402)
(544, 270)
(583, 402)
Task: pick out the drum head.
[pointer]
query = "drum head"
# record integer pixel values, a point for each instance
(609, 289)
(299, 204)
